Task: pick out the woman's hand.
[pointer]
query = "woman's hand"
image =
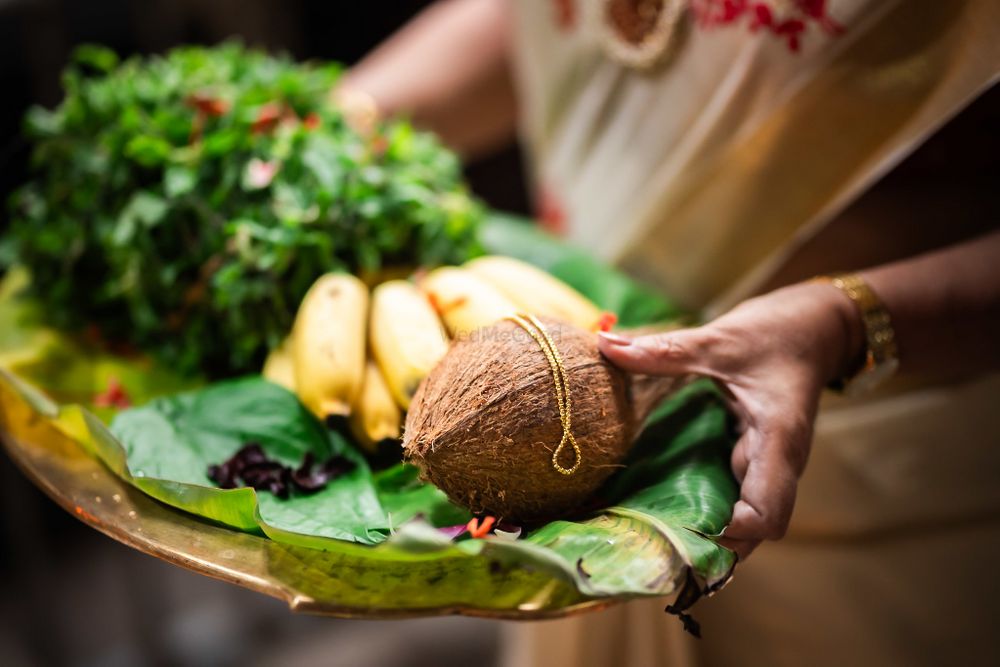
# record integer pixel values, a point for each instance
(773, 355)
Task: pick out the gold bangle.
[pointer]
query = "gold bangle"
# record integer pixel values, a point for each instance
(881, 353)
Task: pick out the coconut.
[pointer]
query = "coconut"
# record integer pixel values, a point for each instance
(484, 425)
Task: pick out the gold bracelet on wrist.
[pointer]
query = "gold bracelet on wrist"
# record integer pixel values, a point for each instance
(881, 354)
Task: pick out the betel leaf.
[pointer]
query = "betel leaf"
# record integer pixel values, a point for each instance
(177, 438)
(169, 443)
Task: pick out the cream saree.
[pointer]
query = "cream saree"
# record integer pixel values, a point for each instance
(701, 176)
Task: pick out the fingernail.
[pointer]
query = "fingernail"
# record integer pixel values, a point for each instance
(615, 339)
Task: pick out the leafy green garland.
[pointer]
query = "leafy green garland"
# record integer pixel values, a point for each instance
(185, 203)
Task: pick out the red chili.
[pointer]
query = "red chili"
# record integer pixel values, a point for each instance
(480, 530)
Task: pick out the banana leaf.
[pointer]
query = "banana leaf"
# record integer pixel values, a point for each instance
(653, 536)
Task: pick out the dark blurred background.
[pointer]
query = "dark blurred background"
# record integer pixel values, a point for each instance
(37, 36)
(71, 596)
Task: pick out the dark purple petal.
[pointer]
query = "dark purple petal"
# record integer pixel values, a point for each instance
(250, 466)
(335, 466)
(222, 475)
(251, 452)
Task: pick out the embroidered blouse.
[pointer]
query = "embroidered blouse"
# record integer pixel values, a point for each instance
(695, 143)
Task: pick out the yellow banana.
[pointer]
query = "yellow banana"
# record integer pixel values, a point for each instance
(535, 291)
(328, 344)
(406, 337)
(464, 300)
(375, 417)
(278, 366)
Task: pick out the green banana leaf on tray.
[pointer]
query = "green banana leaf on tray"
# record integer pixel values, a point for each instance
(652, 538)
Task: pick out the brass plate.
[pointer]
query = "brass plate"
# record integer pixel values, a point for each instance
(353, 584)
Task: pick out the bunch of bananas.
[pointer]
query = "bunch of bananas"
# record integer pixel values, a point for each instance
(358, 355)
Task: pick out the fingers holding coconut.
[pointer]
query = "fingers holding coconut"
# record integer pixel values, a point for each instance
(677, 352)
(774, 399)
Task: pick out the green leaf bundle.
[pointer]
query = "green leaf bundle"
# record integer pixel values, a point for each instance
(185, 203)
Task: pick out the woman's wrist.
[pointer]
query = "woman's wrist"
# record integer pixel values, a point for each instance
(847, 342)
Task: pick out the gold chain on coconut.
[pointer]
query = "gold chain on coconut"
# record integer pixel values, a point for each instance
(537, 331)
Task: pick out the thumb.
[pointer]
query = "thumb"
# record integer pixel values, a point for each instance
(671, 353)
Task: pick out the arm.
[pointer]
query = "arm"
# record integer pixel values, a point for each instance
(448, 70)
(945, 307)
(775, 353)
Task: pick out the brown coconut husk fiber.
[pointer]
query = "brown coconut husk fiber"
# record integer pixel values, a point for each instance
(484, 424)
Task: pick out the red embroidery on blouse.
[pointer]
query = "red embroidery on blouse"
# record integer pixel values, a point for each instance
(565, 14)
(786, 19)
